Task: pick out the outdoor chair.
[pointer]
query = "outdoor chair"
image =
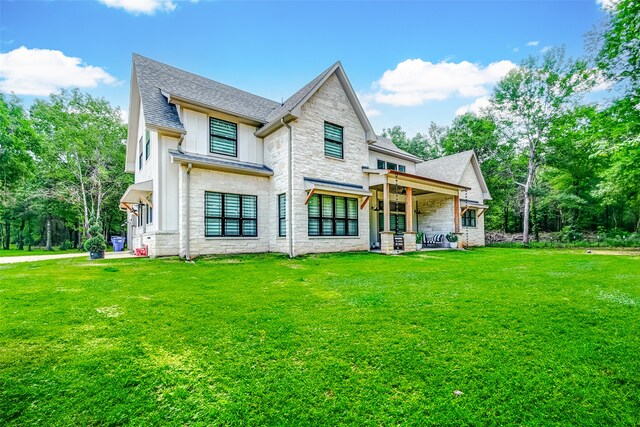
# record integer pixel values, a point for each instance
(436, 240)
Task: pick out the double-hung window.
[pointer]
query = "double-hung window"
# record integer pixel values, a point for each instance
(333, 140)
(333, 216)
(469, 218)
(147, 145)
(140, 155)
(223, 137)
(282, 215)
(230, 215)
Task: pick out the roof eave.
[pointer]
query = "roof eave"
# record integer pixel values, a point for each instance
(404, 156)
(274, 125)
(182, 101)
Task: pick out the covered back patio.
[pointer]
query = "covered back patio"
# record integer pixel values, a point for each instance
(404, 204)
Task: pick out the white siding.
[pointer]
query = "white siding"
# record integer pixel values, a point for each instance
(375, 156)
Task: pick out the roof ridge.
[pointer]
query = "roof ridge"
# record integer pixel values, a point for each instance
(198, 76)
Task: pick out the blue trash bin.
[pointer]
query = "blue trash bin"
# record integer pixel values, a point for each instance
(118, 243)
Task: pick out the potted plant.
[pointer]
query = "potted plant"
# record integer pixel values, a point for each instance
(95, 244)
(453, 240)
(419, 240)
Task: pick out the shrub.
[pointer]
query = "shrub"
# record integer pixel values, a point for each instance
(452, 237)
(95, 243)
(66, 245)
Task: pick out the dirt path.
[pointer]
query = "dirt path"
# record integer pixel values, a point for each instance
(31, 258)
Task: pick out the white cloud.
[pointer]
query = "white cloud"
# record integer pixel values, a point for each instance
(533, 43)
(545, 49)
(475, 107)
(40, 72)
(365, 100)
(607, 4)
(147, 7)
(414, 81)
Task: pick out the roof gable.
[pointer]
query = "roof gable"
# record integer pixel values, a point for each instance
(292, 107)
(451, 169)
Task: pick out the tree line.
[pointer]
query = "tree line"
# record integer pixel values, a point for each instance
(62, 167)
(552, 161)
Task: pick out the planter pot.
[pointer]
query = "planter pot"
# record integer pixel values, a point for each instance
(96, 255)
(453, 245)
(418, 246)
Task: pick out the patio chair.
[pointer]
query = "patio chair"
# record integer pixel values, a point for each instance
(435, 240)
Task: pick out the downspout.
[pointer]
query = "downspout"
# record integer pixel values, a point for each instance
(180, 141)
(187, 255)
(289, 192)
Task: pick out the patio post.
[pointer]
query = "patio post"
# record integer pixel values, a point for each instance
(386, 236)
(409, 235)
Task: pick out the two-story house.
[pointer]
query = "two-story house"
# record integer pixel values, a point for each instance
(220, 170)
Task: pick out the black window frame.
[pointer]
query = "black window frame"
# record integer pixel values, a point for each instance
(140, 155)
(470, 218)
(282, 216)
(393, 217)
(382, 164)
(223, 218)
(147, 145)
(321, 217)
(212, 135)
(333, 141)
(402, 168)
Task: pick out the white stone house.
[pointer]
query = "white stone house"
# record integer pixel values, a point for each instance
(219, 170)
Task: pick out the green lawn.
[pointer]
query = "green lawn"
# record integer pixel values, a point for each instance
(35, 251)
(530, 337)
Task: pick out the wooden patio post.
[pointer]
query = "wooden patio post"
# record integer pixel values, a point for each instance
(409, 210)
(456, 213)
(386, 207)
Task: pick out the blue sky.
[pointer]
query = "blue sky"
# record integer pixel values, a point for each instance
(410, 62)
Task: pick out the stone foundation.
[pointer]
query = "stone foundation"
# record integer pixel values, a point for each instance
(386, 242)
(409, 241)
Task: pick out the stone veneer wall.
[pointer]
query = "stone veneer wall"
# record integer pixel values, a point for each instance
(329, 104)
(436, 214)
(472, 236)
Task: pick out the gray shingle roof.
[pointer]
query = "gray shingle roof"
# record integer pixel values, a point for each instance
(447, 168)
(388, 145)
(154, 77)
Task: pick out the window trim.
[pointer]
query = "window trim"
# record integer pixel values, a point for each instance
(333, 141)
(385, 165)
(140, 153)
(211, 134)
(222, 216)
(320, 217)
(147, 145)
(468, 221)
(282, 229)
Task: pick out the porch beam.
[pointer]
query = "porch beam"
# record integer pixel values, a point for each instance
(409, 209)
(364, 203)
(464, 210)
(482, 211)
(313, 190)
(130, 208)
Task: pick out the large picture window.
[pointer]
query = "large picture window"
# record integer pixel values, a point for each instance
(282, 215)
(333, 216)
(392, 166)
(230, 215)
(333, 141)
(223, 137)
(469, 218)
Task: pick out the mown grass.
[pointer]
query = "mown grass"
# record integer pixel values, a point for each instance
(34, 251)
(529, 337)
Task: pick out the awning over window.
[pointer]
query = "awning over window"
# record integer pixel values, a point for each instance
(137, 193)
(331, 187)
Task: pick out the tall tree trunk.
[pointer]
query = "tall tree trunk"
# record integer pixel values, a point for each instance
(7, 234)
(29, 235)
(527, 195)
(49, 231)
(506, 218)
(21, 235)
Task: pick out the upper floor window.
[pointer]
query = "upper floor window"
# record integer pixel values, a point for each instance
(147, 146)
(232, 215)
(469, 218)
(333, 216)
(391, 166)
(333, 140)
(282, 215)
(140, 155)
(223, 137)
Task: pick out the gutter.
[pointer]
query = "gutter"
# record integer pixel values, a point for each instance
(187, 254)
(289, 190)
